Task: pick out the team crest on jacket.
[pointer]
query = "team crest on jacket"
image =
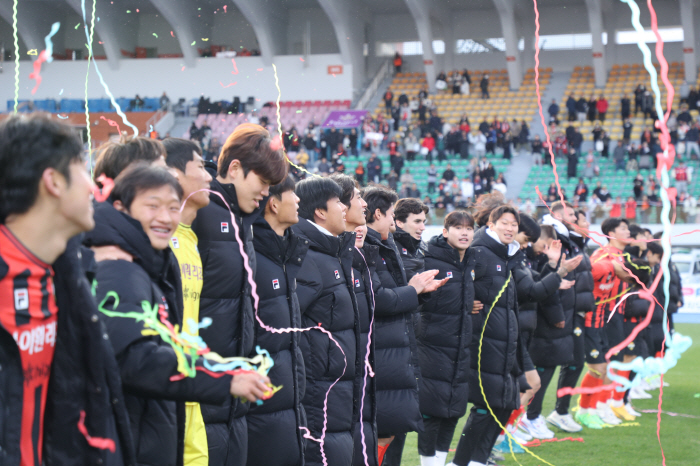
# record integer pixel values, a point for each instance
(631, 346)
(224, 227)
(404, 252)
(498, 267)
(176, 243)
(595, 353)
(275, 284)
(473, 275)
(577, 331)
(357, 283)
(337, 275)
(448, 275)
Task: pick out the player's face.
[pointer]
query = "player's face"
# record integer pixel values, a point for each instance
(251, 189)
(459, 236)
(506, 227)
(195, 178)
(158, 211)
(360, 234)
(414, 225)
(386, 222)
(522, 239)
(288, 208)
(569, 216)
(76, 200)
(621, 233)
(335, 216)
(582, 223)
(356, 213)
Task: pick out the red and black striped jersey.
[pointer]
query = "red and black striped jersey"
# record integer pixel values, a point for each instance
(608, 289)
(28, 313)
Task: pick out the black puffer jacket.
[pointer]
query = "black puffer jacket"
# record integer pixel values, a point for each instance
(84, 377)
(396, 358)
(674, 293)
(279, 260)
(364, 273)
(532, 290)
(146, 363)
(412, 252)
(443, 346)
(676, 290)
(326, 299)
(225, 299)
(501, 355)
(585, 302)
(636, 307)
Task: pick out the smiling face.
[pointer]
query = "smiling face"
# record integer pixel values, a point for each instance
(76, 200)
(360, 235)
(250, 188)
(158, 211)
(506, 227)
(459, 236)
(334, 216)
(195, 178)
(356, 213)
(414, 225)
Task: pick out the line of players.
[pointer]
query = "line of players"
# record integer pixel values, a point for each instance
(402, 333)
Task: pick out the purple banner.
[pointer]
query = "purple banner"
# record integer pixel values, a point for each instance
(345, 119)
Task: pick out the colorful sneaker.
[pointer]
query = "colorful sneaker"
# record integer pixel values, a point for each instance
(564, 422)
(631, 410)
(622, 413)
(521, 436)
(506, 446)
(536, 428)
(606, 414)
(637, 393)
(589, 419)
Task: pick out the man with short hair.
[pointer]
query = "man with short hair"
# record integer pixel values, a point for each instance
(327, 300)
(248, 165)
(410, 217)
(45, 300)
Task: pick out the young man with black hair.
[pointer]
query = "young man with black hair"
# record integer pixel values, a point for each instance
(410, 217)
(570, 373)
(280, 255)
(496, 356)
(608, 276)
(48, 318)
(396, 359)
(247, 166)
(444, 344)
(327, 300)
(366, 281)
(112, 158)
(140, 218)
(184, 157)
(637, 248)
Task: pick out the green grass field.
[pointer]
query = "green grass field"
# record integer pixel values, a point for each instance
(624, 445)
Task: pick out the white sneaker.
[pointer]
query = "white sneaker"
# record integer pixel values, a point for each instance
(564, 422)
(427, 460)
(606, 414)
(637, 393)
(631, 410)
(521, 436)
(537, 428)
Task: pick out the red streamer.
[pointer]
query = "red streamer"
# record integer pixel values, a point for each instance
(43, 56)
(96, 442)
(111, 123)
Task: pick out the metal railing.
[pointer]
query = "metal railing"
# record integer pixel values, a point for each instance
(372, 87)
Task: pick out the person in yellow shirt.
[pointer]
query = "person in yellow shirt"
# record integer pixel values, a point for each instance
(184, 158)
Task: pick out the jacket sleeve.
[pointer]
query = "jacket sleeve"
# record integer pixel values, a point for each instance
(636, 306)
(535, 288)
(309, 284)
(146, 362)
(394, 301)
(551, 310)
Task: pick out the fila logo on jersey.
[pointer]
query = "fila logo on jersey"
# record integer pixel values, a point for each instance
(337, 275)
(404, 252)
(224, 227)
(357, 283)
(449, 275)
(275, 284)
(21, 299)
(176, 243)
(498, 267)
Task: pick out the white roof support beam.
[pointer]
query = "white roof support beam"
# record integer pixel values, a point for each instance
(506, 13)
(268, 21)
(689, 54)
(190, 24)
(420, 10)
(595, 22)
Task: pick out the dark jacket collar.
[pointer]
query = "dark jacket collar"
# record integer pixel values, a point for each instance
(331, 245)
(439, 248)
(481, 238)
(228, 191)
(119, 229)
(579, 240)
(407, 241)
(279, 249)
(370, 254)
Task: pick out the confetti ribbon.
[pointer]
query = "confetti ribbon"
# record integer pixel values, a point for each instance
(96, 442)
(16, 41)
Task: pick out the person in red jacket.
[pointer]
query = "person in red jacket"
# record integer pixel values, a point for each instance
(602, 107)
(616, 210)
(631, 209)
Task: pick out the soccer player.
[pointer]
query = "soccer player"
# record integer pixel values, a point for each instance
(48, 318)
(410, 217)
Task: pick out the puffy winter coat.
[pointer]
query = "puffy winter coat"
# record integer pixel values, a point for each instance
(443, 346)
(326, 299)
(84, 377)
(585, 302)
(501, 355)
(396, 354)
(279, 418)
(365, 281)
(226, 300)
(532, 290)
(155, 403)
(412, 252)
(636, 308)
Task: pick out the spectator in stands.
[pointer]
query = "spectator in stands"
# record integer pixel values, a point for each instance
(374, 169)
(500, 185)
(413, 105)
(619, 156)
(432, 178)
(597, 133)
(627, 130)
(484, 85)
(625, 109)
(684, 116)
(398, 62)
(465, 86)
(441, 81)
(576, 140)
(435, 121)
(638, 188)
(414, 191)
(448, 174)
(479, 188)
(672, 124)
(467, 187)
(639, 98)
(590, 169)
(388, 100)
(602, 193)
(592, 109)
(571, 107)
(573, 163)
(323, 167)
(691, 140)
(553, 111)
(581, 192)
(523, 135)
(478, 141)
(631, 209)
(684, 92)
(393, 180)
(648, 105)
(428, 147)
(411, 146)
(602, 107)
(560, 146)
(648, 137)
(360, 173)
(406, 178)
(536, 147)
(137, 103)
(693, 99)
(581, 109)
(164, 101)
(338, 165)
(456, 83)
(681, 175)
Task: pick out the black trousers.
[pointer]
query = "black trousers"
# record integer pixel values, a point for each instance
(569, 375)
(535, 408)
(393, 454)
(437, 435)
(479, 435)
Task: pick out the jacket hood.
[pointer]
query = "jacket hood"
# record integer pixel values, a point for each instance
(558, 225)
(228, 191)
(115, 228)
(580, 240)
(439, 248)
(279, 249)
(331, 245)
(483, 237)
